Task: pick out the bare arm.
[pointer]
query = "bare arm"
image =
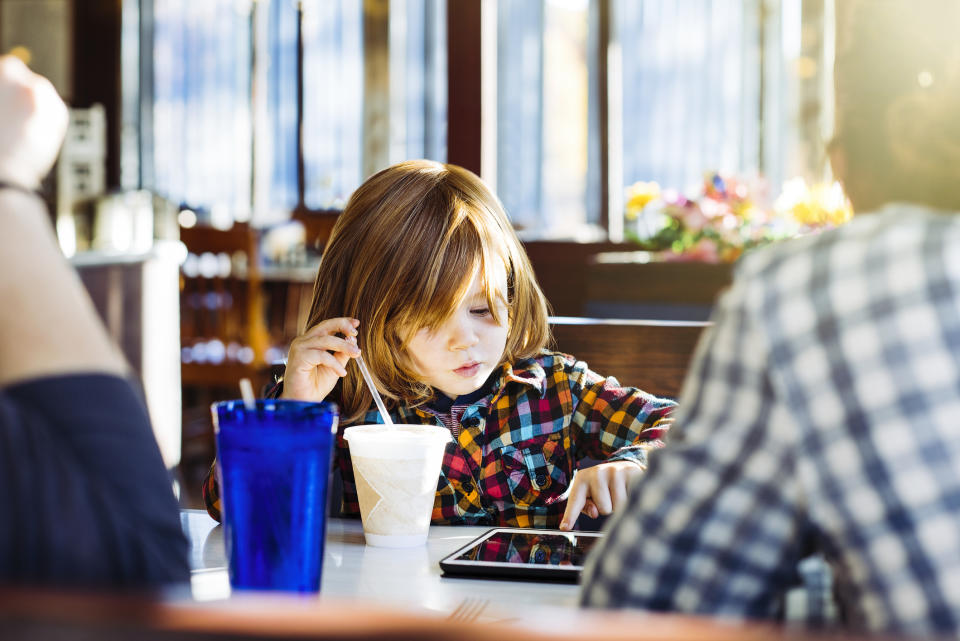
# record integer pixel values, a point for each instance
(47, 323)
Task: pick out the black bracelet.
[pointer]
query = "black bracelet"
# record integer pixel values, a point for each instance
(23, 190)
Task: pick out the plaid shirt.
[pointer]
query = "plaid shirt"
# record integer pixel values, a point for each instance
(822, 413)
(518, 447)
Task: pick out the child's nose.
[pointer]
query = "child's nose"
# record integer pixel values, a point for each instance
(462, 336)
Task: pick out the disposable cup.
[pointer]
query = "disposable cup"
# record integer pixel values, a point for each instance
(273, 469)
(396, 469)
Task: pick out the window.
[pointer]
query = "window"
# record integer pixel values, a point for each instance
(542, 105)
(690, 86)
(202, 127)
(333, 100)
(262, 107)
(279, 149)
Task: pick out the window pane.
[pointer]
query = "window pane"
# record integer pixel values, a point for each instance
(333, 100)
(690, 89)
(280, 147)
(542, 104)
(418, 79)
(565, 115)
(519, 108)
(202, 128)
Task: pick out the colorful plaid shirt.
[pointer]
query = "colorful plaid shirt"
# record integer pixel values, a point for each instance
(519, 447)
(821, 414)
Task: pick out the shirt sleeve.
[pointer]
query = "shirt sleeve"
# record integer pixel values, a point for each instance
(84, 495)
(611, 422)
(715, 527)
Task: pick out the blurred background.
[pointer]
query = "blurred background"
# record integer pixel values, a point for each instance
(639, 146)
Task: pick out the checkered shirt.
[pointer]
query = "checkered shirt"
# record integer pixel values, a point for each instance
(821, 413)
(517, 448)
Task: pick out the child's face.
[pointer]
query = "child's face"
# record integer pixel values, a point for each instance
(457, 357)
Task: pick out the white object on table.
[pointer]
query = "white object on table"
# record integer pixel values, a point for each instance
(406, 577)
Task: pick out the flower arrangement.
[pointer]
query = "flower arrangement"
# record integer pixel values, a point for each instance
(727, 219)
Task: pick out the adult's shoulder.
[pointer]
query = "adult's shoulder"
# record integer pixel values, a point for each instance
(882, 263)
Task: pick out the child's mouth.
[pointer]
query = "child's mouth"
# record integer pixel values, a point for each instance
(468, 370)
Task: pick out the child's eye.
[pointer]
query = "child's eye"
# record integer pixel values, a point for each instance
(480, 311)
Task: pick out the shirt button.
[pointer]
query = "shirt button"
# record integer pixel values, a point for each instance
(541, 479)
(467, 487)
(540, 556)
(471, 422)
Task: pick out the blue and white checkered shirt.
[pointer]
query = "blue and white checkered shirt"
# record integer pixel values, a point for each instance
(821, 414)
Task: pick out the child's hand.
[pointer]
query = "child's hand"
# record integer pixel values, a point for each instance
(318, 358)
(600, 489)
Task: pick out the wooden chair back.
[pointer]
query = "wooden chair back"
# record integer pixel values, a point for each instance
(651, 355)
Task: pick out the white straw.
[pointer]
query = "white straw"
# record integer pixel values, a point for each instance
(373, 391)
(246, 391)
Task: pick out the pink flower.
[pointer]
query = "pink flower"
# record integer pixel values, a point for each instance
(692, 218)
(705, 251)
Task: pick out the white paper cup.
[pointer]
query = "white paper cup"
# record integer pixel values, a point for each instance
(396, 471)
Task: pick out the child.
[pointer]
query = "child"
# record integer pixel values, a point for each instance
(424, 271)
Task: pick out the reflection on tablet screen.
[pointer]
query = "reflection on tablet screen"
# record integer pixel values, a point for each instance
(535, 548)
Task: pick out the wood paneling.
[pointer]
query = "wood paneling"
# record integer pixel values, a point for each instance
(651, 355)
(683, 283)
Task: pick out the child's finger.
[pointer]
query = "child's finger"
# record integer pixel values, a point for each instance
(338, 345)
(322, 358)
(600, 493)
(342, 325)
(590, 509)
(575, 502)
(618, 491)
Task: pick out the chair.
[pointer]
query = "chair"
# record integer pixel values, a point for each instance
(651, 355)
(620, 287)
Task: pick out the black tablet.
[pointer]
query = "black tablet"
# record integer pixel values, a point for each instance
(523, 553)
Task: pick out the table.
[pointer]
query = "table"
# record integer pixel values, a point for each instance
(361, 599)
(407, 578)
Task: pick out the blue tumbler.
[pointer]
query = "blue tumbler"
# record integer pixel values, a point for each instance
(273, 469)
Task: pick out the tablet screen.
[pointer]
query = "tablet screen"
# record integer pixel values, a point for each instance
(515, 552)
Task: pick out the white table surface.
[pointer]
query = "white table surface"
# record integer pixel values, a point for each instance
(407, 578)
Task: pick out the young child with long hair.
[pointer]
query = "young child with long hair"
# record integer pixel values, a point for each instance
(424, 272)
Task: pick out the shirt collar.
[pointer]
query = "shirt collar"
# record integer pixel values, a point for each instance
(527, 371)
(442, 403)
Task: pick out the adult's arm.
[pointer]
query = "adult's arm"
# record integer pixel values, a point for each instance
(84, 497)
(716, 526)
(48, 325)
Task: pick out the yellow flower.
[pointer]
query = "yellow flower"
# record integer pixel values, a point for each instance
(823, 205)
(639, 196)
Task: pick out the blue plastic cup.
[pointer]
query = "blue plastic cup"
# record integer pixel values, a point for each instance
(273, 469)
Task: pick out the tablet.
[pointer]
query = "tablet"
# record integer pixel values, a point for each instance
(523, 553)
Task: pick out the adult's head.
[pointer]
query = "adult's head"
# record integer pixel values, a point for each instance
(897, 79)
(402, 257)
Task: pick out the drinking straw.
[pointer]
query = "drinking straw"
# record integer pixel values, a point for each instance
(373, 391)
(246, 391)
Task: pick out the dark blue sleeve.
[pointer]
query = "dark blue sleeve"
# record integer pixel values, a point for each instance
(85, 499)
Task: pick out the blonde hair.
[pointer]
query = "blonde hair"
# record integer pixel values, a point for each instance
(402, 256)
